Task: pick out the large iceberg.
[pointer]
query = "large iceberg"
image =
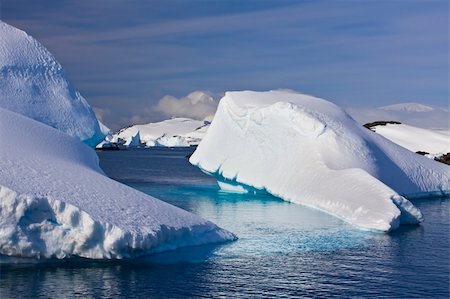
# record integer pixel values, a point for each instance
(34, 84)
(56, 202)
(309, 151)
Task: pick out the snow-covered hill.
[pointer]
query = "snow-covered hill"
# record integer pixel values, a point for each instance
(175, 132)
(309, 151)
(414, 114)
(408, 107)
(56, 202)
(34, 84)
(435, 143)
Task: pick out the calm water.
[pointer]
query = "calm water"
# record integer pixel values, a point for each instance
(284, 250)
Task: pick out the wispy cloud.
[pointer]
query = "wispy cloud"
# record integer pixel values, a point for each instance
(125, 56)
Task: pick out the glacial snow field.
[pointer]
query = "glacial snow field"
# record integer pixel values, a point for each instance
(309, 151)
(414, 114)
(433, 142)
(56, 202)
(175, 132)
(34, 84)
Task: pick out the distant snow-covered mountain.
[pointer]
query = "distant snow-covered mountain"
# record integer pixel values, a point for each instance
(414, 114)
(408, 107)
(34, 84)
(175, 132)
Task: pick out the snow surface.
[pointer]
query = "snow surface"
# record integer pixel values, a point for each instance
(416, 139)
(309, 151)
(34, 84)
(413, 114)
(175, 132)
(56, 202)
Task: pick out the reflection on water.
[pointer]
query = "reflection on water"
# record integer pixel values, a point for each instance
(283, 249)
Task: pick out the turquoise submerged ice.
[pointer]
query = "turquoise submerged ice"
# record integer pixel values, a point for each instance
(309, 151)
(34, 84)
(56, 202)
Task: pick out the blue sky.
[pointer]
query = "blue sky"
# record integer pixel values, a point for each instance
(123, 56)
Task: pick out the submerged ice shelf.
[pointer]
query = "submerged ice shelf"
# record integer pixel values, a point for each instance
(56, 202)
(309, 151)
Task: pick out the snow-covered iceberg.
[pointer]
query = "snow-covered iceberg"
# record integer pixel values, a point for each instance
(309, 151)
(175, 132)
(34, 84)
(56, 202)
(432, 142)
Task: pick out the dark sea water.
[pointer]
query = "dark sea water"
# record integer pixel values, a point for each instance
(284, 249)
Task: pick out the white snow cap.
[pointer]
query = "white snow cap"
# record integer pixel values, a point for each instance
(408, 107)
(34, 84)
(56, 202)
(309, 151)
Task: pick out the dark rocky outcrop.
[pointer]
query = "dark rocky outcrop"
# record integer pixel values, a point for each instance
(381, 123)
(422, 153)
(444, 159)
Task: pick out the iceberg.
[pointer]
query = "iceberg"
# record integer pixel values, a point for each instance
(133, 141)
(34, 84)
(175, 132)
(56, 202)
(309, 151)
(171, 141)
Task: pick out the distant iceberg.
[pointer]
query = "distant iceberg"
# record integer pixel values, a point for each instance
(55, 202)
(34, 84)
(309, 151)
(175, 132)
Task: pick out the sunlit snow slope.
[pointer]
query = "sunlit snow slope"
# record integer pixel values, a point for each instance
(414, 114)
(309, 151)
(34, 84)
(56, 202)
(415, 139)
